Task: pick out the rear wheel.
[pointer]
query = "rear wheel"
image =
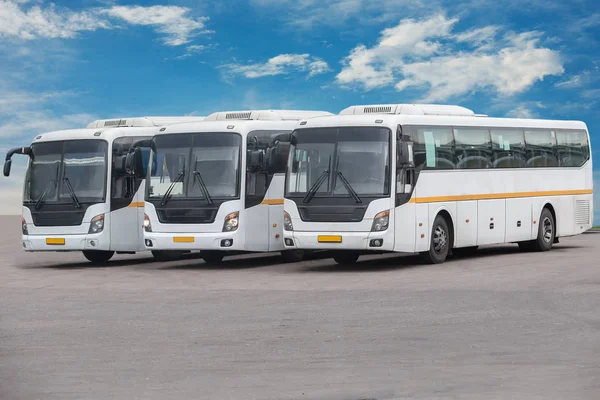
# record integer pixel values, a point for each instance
(166, 255)
(440, 242)
(346, 257)
(546, 234)
(212, 257)
(98, 256)
(292, 256)
(465, 251)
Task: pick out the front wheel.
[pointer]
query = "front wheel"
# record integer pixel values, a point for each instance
(346, 257)
(212, 257)
(292, 256)
(98, 256)
(440, 242)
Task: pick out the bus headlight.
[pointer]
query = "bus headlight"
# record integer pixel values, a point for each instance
(381, 221)
(97, 224)
(287, 222)
(231, 222)
(147, 224)
(24, 226)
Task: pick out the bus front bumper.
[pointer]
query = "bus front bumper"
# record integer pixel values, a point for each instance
(31, 243)
(375, 241)
(224, 241)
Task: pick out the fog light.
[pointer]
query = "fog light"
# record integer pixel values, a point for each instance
(376, 243)
(148, 243)
(289, 242)
(93, 243)
(226, 242)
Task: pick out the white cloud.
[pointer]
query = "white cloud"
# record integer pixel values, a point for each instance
(282, 64)
(573, 82)
(172, 21)
(51, 22)
(521, 111)
(425, 54)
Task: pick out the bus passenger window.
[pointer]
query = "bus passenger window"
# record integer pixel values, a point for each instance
(473, 148)
(508, 147)
(540, 146)
(434, 148)
(572, 148)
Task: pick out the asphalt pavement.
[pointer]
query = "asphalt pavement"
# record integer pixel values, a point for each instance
(499, 325)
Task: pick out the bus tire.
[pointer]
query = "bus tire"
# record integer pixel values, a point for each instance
(440, 242)
(166, 255)
(465, 251)
(546, 231)
(346, 257)
(212, 257)
(98, 256)
(292, 256)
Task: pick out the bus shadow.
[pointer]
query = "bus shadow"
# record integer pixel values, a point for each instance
(89, 265)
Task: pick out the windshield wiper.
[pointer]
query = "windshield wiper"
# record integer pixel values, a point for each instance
(40, 201)
(167, 194)
(72, 192)
(200, 181)
(349, 187)
(313, 190)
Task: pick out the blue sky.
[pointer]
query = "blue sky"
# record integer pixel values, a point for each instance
(67, 63)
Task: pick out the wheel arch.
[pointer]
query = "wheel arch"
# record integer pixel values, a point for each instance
(550, 207)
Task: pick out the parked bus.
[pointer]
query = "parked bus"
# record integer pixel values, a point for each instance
(77, 194)
(209, 188)
(434, 180)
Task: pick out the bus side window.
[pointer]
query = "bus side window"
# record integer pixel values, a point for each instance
(434, 147)
(540, 146)
(508, 147)
(473, 148)
(572, 148)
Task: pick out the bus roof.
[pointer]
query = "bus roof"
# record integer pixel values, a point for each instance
(140, 121)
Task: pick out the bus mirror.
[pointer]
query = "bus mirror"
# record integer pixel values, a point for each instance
(255, 160)
(7, 165)
(404, 156)
(133, 162)
(277, 157)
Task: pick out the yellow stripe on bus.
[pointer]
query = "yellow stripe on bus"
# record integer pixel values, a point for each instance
(272, 202)
(136, 204)
(494, 196)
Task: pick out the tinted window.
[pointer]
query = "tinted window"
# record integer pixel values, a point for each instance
(508, 147)
(434, 147)
(473, 148)
(540, 147)
(572, 148)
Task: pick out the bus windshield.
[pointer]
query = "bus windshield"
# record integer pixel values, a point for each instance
(195, 165)
(71, 171)
(346, 161)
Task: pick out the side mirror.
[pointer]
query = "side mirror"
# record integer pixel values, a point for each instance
(404, 154)
(7, 165)
(255, 160)
(277, 157)
(134, 164)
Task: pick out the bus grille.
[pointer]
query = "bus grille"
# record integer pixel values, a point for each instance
(582, 212)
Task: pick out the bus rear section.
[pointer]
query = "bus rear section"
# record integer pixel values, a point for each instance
(451, 181)
(209, 187)
(77, 194)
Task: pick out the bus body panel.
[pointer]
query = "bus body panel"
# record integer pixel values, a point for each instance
(466, 223)
(404, 225)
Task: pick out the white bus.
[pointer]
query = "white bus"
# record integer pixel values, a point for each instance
(77, 195)
(434, 180)
(208, 187)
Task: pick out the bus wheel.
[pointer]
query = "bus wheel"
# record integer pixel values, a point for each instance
(166, 255)
(546, 231)
(346, 257)
(465, 251)
(98, 256)
(292, 256)
(212, 257)
(440, 242)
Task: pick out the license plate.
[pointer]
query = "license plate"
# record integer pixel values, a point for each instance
(55, 241)
(329, 239)
(183, 239)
